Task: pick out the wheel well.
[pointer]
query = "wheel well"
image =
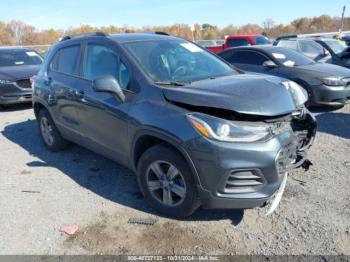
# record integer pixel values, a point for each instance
(37, 107)
(147, 141)
(302, 83)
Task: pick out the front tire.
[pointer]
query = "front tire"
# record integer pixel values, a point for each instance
(167, 182)
(49, 132)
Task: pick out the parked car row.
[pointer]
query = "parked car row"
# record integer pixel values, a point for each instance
(238, 40)
(198, 129)
(305, 60)
(320, 49)
(326, 84)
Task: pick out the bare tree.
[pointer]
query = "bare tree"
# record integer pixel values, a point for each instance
(268, 25)
(19, 33)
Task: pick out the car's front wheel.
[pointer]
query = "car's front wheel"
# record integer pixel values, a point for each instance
(49, 132)
(167, 182)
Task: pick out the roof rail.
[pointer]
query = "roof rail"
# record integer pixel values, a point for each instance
(84, 34)
(157, 33)
(286, 37)
(161, 33)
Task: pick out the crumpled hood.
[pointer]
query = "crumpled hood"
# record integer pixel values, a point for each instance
(325, 69)
(245, 93)
(13, 73)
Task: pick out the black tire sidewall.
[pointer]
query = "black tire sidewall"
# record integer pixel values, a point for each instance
(59, 142)
(165, 153)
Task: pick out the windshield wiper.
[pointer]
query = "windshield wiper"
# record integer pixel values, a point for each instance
(170, 83)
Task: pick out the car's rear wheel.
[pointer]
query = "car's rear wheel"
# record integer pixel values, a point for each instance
(49, 132)
(167, 182)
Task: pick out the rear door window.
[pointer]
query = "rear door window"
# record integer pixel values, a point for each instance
(311, 48)
(246, 57)
(289, 44)
(66, 60)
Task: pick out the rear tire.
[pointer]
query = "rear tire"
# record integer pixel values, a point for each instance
(49, 132)
(167, 182)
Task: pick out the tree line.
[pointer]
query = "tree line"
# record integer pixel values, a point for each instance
(17, 32)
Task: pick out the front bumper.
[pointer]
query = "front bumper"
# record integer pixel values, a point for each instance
(256, 170)
(13, 93)
(332, 96)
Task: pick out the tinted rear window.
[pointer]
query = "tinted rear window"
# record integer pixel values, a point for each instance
(288, 44)
(238, 42)
(246, 57)
(66, 60)
(261, 40)
(19, 58)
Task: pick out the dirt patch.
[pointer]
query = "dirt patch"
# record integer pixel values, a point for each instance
(172, 238)
(114, 235)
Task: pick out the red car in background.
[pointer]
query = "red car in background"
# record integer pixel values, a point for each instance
(240, 40)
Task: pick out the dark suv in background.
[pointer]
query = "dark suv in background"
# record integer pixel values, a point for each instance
(195, 130)
(17, 66)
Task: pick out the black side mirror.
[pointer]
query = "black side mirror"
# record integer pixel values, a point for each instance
(110, 85)
(269, 64)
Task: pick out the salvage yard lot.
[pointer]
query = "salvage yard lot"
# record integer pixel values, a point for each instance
(41, 191)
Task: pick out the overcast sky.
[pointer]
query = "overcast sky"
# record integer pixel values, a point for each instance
(137, 13)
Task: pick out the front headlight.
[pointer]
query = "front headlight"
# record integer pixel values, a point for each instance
(333, 81)
(229, 131)
(298, 93)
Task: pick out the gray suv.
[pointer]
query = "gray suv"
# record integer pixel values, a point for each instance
(196, 131)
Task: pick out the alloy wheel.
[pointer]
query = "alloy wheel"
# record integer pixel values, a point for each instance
(166, 183)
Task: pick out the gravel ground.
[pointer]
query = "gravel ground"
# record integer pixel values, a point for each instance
(41, 191)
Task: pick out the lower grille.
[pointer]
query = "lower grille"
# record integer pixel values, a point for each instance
(243, 182)
(24, 83)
